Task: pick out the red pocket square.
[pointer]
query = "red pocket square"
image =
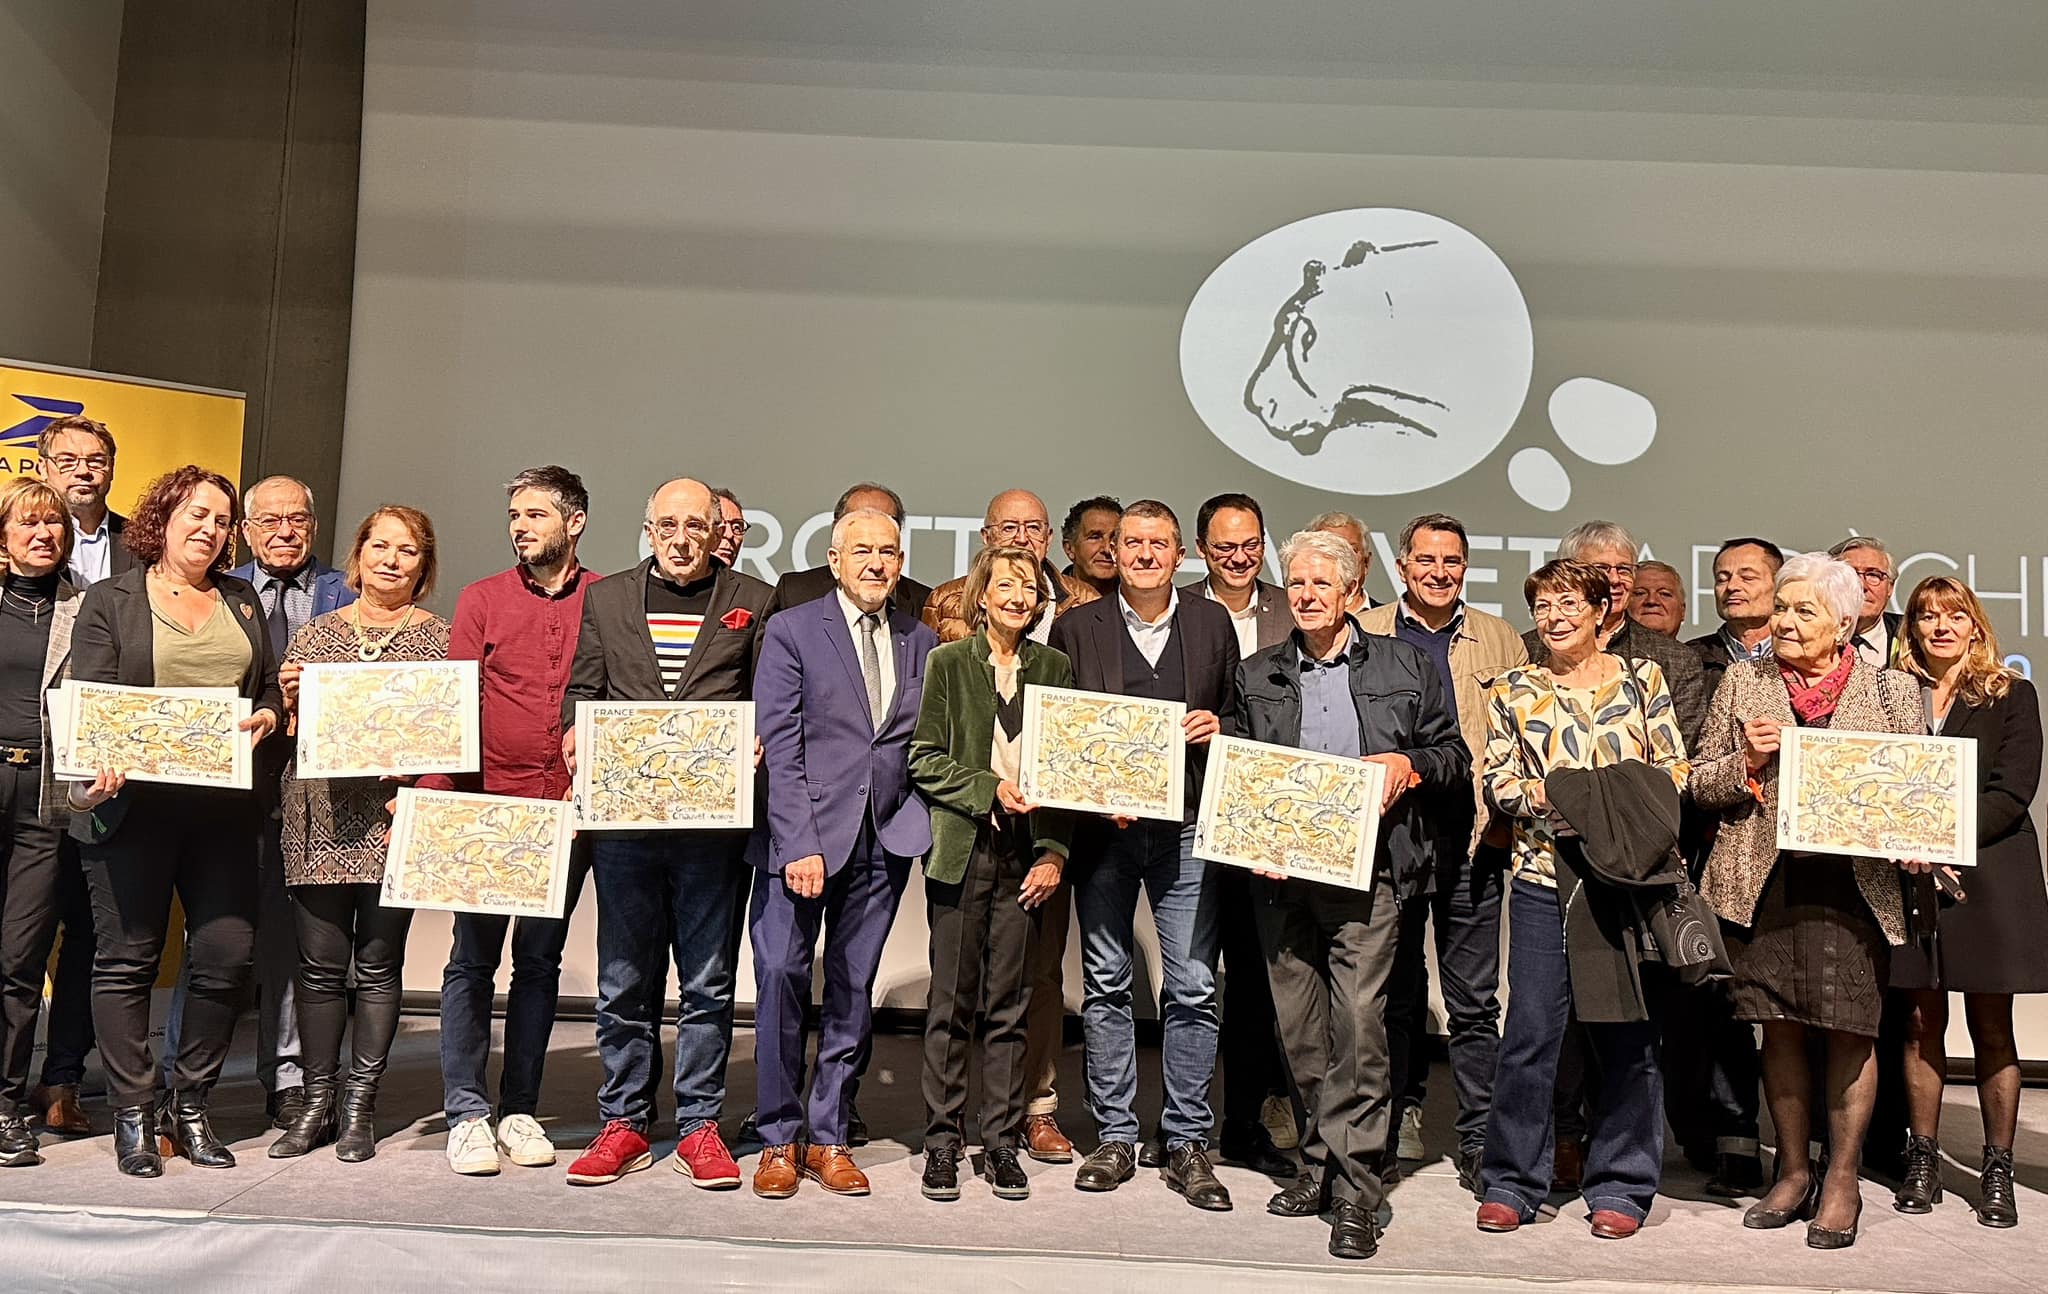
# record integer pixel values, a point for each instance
(737, 618)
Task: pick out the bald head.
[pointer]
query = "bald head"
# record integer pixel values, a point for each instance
(681, 526)
(1017, 517)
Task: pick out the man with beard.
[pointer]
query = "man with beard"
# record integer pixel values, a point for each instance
(520, 625)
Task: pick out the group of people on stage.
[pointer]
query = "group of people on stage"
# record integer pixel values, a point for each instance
(1608, 788)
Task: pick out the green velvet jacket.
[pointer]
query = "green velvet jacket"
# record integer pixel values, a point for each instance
(949, 751)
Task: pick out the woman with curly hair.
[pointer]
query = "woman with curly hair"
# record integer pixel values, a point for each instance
(177, 619)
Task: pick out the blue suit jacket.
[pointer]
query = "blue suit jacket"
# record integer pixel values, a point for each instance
(829, 769)
(330, 587)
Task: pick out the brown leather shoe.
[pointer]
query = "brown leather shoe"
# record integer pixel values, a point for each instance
(1498, 1217)
(1610, 1225)
(1044, 1141)
(776, 1178)
(62, 1114)
(1568, 1166)
(832, 1167)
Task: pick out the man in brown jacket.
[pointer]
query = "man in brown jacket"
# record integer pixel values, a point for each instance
(1019, 517)
(1470, 648)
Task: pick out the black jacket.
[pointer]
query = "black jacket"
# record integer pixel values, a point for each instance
(1401, 709)
(615, 658)
(799, 587)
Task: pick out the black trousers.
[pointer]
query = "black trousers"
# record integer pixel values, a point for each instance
(67, 1037)
(339, 925)
(31, 900)
(981, 945)
(1463, 916)
(1248, 1042)
(200, 843)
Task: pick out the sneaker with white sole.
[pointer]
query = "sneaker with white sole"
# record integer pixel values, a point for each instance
(471, 1151)
(521, 1138)
(1409, 1144)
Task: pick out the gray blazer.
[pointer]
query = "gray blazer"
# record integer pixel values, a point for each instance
(56, 663)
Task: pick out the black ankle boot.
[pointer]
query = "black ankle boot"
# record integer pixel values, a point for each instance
(1920, 1188)
(183, 1124)
(314, 1125)
(135, 1150)
(356, 1136)
(1997, 1207)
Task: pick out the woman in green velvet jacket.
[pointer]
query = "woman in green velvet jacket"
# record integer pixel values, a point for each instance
(995, 859)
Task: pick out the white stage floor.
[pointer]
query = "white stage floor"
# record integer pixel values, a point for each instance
(403, 1221)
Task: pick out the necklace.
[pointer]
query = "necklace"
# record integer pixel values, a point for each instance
(34, 606)
(368, 650)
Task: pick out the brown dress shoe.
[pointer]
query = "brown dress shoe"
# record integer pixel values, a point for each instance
(1610, 1225)
(832, 1167)
(1498, 1217)
(62, 1114)
(1044, 1141)
(776, 1178)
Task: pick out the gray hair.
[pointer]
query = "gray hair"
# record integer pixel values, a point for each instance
(1867, 542)
(249, 495)
(720, 496)
(1596, 534)
(1665, 567)
(1320, 543)
(840, 527)
(1836, 582)
(1332, 520)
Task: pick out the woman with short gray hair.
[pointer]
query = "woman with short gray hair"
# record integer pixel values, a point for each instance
(1813, 932)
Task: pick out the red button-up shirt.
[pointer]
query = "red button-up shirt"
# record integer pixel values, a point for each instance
(524, 639)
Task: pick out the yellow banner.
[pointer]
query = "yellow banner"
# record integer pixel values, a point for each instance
(158, 426)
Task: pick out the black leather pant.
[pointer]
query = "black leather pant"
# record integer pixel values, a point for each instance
(340, 924)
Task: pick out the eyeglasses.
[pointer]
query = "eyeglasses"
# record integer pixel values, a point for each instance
(1872, 574)
(1250, 548)
(666, 528)
(737, 529)
(1626, 570)
(72, 462)
(1027, 529)
(1569, 608)
(270, 525)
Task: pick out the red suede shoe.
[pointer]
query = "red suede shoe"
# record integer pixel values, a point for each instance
(618, 1150)
(703, 1158)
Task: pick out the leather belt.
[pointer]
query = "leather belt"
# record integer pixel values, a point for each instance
(20, 756)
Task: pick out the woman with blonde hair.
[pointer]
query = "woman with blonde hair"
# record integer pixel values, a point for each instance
(1988, 947)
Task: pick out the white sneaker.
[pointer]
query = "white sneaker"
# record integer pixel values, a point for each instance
(1277, 1114)
(470, 1150)
(1410, 1143)
(523, 1142)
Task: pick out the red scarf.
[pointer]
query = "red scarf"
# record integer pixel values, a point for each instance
(1815, 703)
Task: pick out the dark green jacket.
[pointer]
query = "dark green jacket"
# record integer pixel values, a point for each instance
(949, 752)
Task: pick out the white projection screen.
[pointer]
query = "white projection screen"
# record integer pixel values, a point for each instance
(784, 247)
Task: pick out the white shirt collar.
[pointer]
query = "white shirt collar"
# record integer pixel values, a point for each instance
(851, 610)
(1251, 608)
(1135, 621)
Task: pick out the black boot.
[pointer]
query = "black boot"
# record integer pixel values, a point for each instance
(183, 1124)
(314, 1124)
(1997, 1206)
(135, 1150)
(1920, 1187)
(356, 1134)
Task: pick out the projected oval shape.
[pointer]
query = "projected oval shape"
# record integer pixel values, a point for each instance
(1601, 422)
(1540, 479)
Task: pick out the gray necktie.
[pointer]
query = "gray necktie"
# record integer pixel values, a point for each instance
(871, 664)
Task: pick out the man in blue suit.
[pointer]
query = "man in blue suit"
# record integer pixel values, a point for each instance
(836, 695)
(292, 586)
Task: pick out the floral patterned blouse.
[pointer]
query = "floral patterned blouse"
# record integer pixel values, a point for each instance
(334, 827)
(1534, 725)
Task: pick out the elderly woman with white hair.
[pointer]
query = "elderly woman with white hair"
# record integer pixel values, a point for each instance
(1813, 952)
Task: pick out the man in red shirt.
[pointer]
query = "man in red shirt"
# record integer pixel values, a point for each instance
(520, 625)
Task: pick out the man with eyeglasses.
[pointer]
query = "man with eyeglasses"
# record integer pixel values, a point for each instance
(1613, 551)
(680, 626)
(1461, 900)
(1019, 517)
(732, 525)
(1878, 640)
(77, 460)
(1258, 1115)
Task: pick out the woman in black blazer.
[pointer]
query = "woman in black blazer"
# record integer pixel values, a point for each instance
(1989, 946)
(176, 620)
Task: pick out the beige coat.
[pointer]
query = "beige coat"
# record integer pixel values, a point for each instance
(56, 809)
(1746, 849)
(1484, 648)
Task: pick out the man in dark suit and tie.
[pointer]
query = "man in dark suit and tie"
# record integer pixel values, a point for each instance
(799, 587)
(680, 626)
(837, 693)
(1148, 641)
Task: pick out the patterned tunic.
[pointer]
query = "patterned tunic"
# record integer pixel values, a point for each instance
(1534, 726)
(334, 827)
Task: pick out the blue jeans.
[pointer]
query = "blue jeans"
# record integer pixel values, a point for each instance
(1159, 858)
(668, 895)
(468, 984)
(1626, 1155)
